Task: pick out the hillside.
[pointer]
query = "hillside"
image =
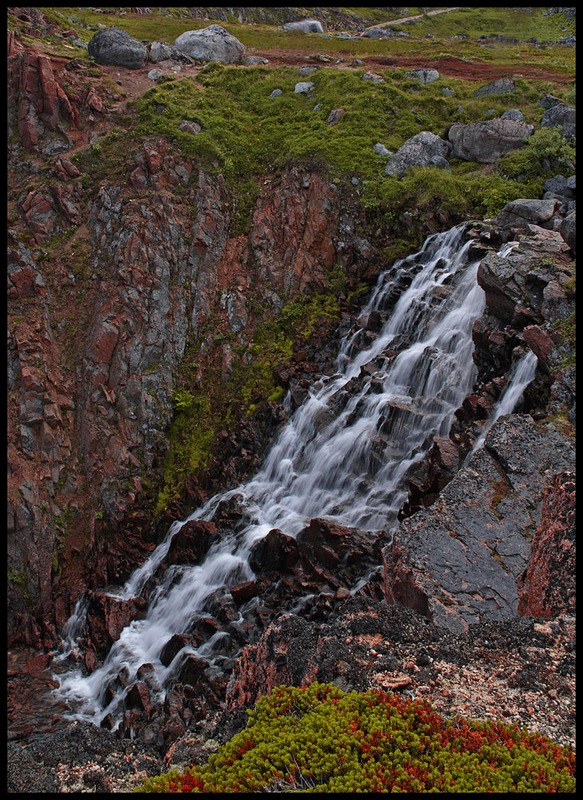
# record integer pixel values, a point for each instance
(188, 237)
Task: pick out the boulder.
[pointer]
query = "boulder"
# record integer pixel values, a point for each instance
(561, 116)
(191, 543)
(160, 51)
(487, 141)
(115, 46)
(522, 212)
(214, 43)
(304, 25)
(500, 86)
(425, 149)
(424, 76)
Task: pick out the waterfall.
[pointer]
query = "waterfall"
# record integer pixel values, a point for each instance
(521, 374)
(344, 455)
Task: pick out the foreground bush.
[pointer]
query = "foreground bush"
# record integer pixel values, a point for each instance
(321, 739)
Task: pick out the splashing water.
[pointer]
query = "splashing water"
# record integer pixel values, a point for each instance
(344, 455)
(521, 375)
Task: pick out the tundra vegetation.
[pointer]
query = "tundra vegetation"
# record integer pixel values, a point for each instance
(322, 739)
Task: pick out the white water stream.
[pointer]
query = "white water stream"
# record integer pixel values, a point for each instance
(344, 454)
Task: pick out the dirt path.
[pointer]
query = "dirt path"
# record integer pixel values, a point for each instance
(409, 19)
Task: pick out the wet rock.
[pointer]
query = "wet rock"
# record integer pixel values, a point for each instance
(173, 646)
(276, 553)
(459, 564)
(191, 543)
(107, 616)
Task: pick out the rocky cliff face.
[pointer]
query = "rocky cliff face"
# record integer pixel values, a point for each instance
(109, 284)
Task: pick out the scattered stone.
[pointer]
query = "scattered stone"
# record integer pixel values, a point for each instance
(189, 126)
(335, 116)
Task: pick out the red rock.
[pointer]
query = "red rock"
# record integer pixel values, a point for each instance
(547, 587)
(539, 342)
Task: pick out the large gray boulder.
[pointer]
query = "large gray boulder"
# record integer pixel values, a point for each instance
(425, 149)
(487, 141)
(214, 43)
(114, 46)
(560, 116)
(305, 25)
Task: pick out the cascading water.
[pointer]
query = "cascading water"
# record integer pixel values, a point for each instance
(344, 455)
(521, 375)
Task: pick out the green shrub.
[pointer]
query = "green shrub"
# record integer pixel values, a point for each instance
(546, 153)
(321, 739)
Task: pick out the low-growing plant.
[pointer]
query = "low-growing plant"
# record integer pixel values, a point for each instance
(546, 153)
(322, 739)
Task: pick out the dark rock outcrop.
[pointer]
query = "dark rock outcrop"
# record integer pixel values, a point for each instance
(458, 562)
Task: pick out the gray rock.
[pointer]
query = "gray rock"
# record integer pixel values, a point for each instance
(425, 149)
(303, 87)
(562, 116)
(305, 25)
(214, 43)
(525, 211)
(568, 230)
(548, 101)
(513, 113)
(500, 86)
(424, 76)
(487, 141)
(335, 116)
(189, 126)
(307, 70)
(381, 150)
(160, 51)
(371, 76)
(459, 563)
(114, 46)
(251, 61)
(155, 74)
(276, 93)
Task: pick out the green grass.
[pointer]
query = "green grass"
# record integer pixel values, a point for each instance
(450, 31)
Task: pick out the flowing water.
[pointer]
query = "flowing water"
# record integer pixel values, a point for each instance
(344, 455)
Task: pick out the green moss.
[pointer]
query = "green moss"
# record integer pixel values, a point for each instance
(321, 739)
